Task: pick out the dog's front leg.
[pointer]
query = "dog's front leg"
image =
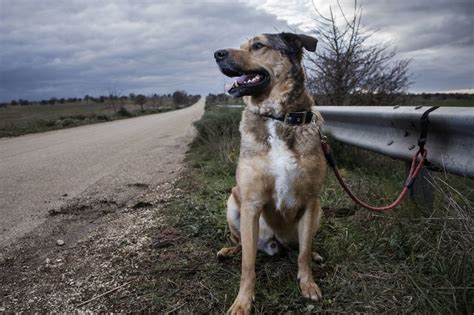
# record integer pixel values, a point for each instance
(307, 227)
(250, 215)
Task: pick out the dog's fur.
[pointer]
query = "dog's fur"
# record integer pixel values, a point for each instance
(281, 167)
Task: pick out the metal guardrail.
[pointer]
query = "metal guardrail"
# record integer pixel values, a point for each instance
(394, 131)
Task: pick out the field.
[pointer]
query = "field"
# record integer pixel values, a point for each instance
(18, 120)
(406, 260)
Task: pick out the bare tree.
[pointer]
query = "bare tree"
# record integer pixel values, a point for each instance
(348, 70)
(140, 100)
(180, 98)
(114, 98)
(156, 101)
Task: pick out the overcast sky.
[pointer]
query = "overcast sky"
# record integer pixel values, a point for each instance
(76, 47)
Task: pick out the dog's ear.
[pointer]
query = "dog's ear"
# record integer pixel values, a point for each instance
(309, 43)
(299, 41)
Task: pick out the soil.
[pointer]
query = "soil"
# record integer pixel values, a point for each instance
(91, 255)
(96, 249)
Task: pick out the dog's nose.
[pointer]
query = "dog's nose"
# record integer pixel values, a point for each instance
(220, 54)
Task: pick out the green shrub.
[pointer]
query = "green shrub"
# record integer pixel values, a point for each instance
(68, 122)
(103, 117)
(124, 112)
(218, 124)
(218, 138)
(79, 117)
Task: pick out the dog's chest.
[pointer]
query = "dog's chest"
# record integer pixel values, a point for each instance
(283, 168)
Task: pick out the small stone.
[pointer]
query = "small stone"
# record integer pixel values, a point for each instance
(2, 309)
(60, 242)
(47, 261)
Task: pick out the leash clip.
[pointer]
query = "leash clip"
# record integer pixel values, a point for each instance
(314, 118)
(323, 138)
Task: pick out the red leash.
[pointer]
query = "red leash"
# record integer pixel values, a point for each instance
(416, 165)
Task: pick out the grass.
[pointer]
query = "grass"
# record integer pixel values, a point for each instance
(406, 260)
(19, 120)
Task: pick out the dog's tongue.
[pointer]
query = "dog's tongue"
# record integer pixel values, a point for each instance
(239, 80)
(242, 78)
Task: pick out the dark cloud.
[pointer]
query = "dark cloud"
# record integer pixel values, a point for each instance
(71, 48)
(424, 24)
(437, 35)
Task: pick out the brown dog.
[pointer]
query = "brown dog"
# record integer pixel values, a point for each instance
(281, 165)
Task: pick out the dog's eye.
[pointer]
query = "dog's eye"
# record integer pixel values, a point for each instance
(257, 45)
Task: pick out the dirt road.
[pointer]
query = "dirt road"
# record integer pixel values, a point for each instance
(106, 164)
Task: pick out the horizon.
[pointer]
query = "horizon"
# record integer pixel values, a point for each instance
(82, 97)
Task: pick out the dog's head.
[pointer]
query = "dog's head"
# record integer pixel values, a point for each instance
(264, 62)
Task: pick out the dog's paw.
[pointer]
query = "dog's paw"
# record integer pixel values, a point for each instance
(226, 252)
(310, 290)
(223, 253)
(241, 306)
(316, 257)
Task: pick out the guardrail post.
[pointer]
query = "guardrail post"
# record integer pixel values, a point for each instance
(421, 192)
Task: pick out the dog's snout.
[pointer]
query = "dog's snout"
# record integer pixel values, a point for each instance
(221, 54)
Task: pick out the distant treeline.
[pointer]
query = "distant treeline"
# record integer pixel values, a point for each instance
(183, 98)
(407, 99)
(442, 96)
(178, 98)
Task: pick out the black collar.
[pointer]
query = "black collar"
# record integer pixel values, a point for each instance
(295, 118)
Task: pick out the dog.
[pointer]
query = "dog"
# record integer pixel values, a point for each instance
(281, 166)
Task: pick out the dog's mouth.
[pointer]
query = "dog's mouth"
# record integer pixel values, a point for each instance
(248, 83)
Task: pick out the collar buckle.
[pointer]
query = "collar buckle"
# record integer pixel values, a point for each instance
(295, 118)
